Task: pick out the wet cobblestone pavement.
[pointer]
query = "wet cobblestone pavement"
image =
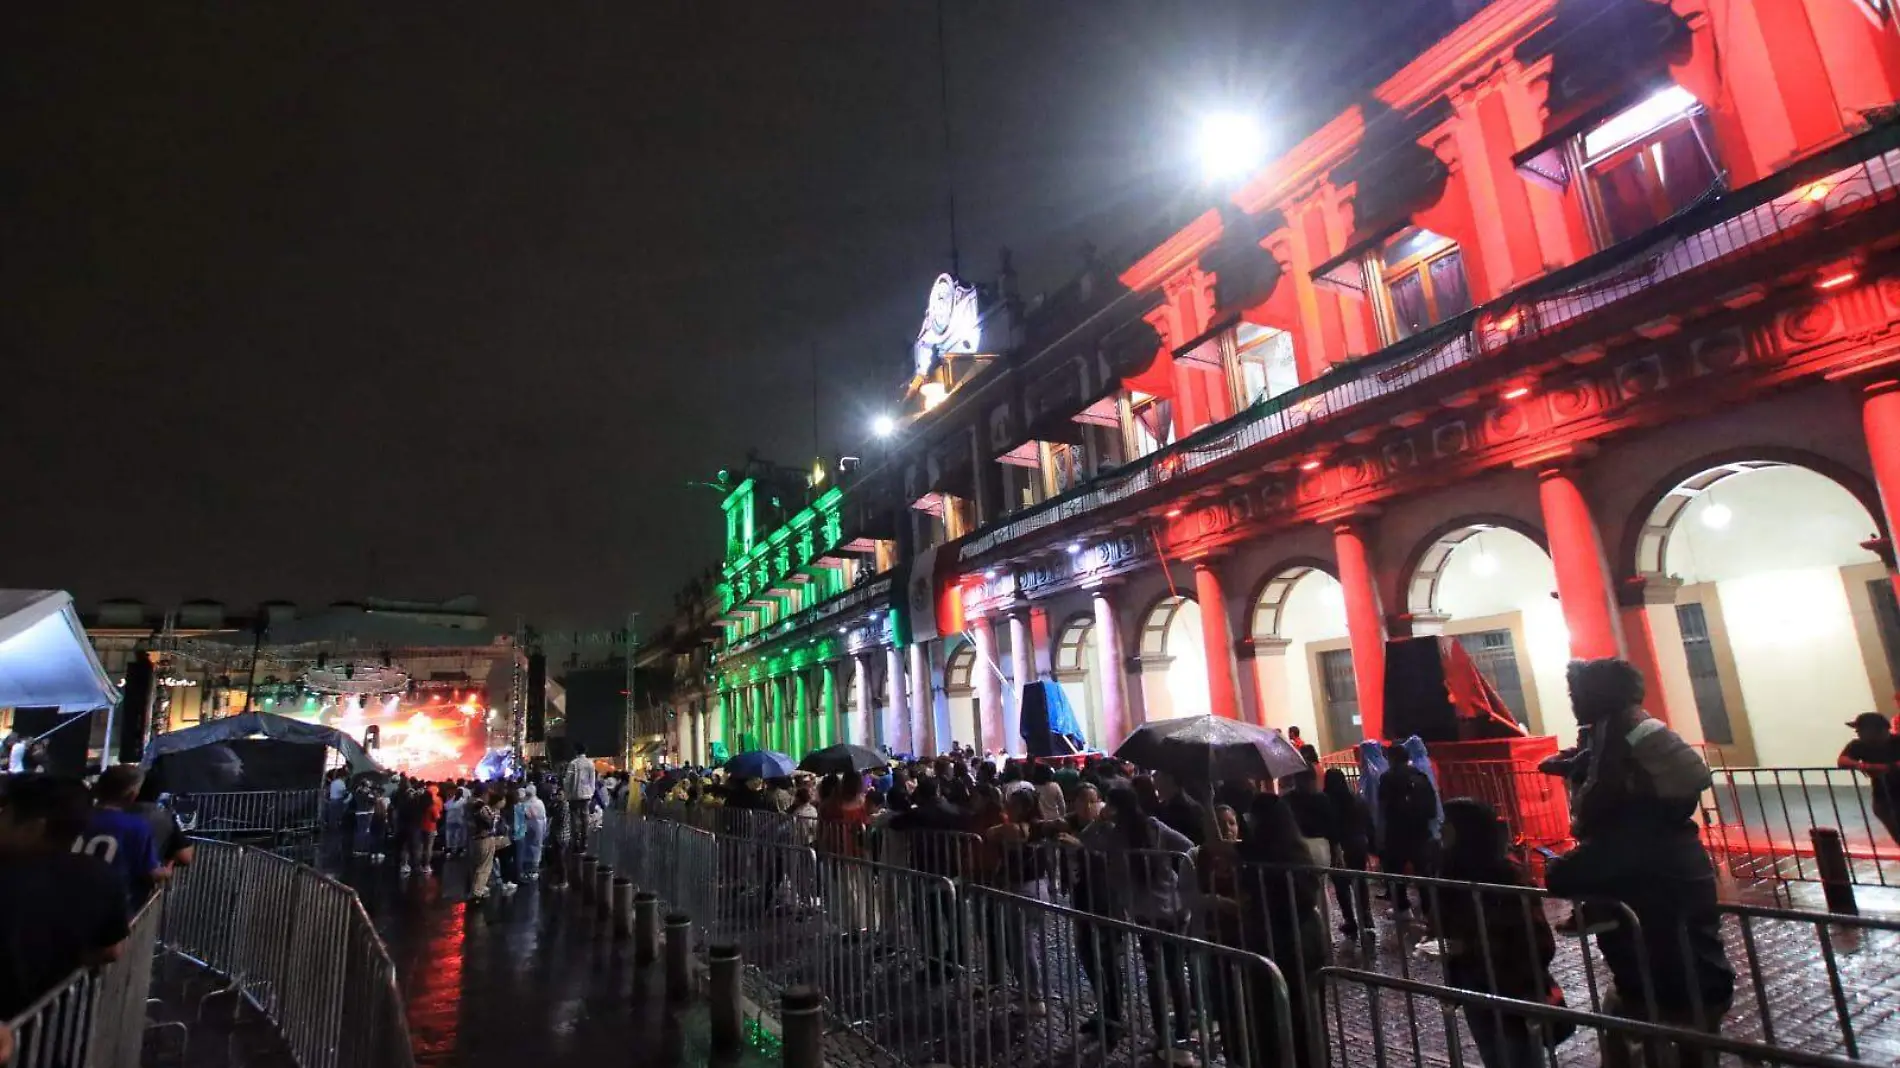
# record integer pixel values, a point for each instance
(528, 978)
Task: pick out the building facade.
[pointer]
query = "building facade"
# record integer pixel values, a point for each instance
(1575, 339)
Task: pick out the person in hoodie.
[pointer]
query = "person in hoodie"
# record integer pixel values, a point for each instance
(1634, 820)
(1495, 941)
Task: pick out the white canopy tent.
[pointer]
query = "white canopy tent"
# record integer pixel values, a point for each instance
(45, 658)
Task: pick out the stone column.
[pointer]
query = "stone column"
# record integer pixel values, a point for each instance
(896, 714)
(1365, 624)
(1667, 695)
(1223, 695)
(1114, 681)
(860, 731)
(1880, 422)
(923, 727)
(989, 686)
(1249, 682)
(1583, 576)
(1022, 661)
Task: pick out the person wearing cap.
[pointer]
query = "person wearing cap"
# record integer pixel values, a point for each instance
(1875, 752)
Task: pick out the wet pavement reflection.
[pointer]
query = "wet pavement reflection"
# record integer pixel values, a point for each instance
(526, 978)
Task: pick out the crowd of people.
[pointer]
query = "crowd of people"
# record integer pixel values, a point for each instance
(511, 830)
(76, 866)
(1255, 849)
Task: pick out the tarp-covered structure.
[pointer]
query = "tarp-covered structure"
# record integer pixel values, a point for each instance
(253, 751)
(46, 661)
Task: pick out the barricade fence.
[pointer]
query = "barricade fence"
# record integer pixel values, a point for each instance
(95, 1018)
(1760, 822)
(1007, 930)
(284, 821)
(295, 944)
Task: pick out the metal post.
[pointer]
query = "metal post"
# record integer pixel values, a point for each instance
(604, 892)
(679, 956)
(802, 1026)
(623, 907)
(646, 927)
(590, 866)
(723, 980)
(1837, 877)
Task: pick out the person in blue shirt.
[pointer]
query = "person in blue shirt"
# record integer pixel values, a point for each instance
(123, 839)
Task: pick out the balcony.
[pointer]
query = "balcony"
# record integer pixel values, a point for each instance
(874, 592)
(1820, 195)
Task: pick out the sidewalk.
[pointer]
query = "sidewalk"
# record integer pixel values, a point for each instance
(526, 979)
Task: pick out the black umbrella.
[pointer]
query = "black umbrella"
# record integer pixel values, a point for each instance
(843, 760)
(1206, 749)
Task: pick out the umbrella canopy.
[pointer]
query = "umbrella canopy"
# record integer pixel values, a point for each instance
(1206, 749)
(842, 760)
(46, 659)
(761, 764)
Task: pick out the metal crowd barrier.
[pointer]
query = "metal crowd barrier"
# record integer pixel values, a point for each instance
(298, 946)
(1760, 822)
(96, 1017)
(991, 917)
(284, 821)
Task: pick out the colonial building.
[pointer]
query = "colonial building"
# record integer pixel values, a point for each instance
(1576, 338)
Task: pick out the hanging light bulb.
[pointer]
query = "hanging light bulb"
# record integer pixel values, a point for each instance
(1483, 564)
(1717, 516)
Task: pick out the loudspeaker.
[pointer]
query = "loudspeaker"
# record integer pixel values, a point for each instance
(536, 727)
(1035, 721)
(135, 708)
(1433, 690)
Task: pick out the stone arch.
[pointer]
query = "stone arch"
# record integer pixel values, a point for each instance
(1645, 534)
(1267, 600)
(1425, 565)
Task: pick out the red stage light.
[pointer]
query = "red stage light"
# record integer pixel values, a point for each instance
(1836, 281)
(1520, 391)
(1310, 465)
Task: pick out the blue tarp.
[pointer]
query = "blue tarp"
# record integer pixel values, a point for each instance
(1061, 715)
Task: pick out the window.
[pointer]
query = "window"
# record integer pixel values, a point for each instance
(1649, 162)
(1494, 654)
(1711, 708)
(1424, 275)
(1264, 357)
(1153, 422)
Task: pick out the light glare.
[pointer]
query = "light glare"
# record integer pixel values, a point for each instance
(883, 426)
(1230, 146)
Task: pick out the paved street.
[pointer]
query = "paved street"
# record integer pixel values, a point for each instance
(527, 979)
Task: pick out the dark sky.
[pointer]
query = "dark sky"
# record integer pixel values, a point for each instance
(318, 300)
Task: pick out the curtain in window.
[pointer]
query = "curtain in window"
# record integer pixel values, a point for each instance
(1408, 304)
(1451, 294)
(1158, 420)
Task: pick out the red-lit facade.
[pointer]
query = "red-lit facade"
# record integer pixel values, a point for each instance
(1552, 345)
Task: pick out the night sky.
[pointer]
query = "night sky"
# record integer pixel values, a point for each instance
(322, 300)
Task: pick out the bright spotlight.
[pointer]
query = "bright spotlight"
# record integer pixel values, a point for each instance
(1717, 516)
(883, 426)
(1484, 564)
(1230, 146)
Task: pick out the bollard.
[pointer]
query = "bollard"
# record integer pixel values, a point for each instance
(679, 956)
(1837, 878)
(646, 927)
(604, 892)
(623, 908)
(589, 865)
(802, 1027)
(723, 970)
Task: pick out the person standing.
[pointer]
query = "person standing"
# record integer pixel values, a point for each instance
(1352, 847)
(455, 824)
(483, 822)
(1302, 747)
(123, 839)
(579, 784)
(59, 908)
(1408, 806)
(1875, 753)
(534, 833)
(1637, 843)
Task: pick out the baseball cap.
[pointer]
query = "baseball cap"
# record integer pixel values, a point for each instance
(1869, 719)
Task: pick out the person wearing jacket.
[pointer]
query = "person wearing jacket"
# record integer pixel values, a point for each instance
(455, 823)
(1280, 920)
(1130, 883)
(1637, 844)
(1351, 841)
(534, 833)
(1495, 942)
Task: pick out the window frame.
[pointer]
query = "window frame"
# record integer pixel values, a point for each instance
(1418, 265)
(1586, 168)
